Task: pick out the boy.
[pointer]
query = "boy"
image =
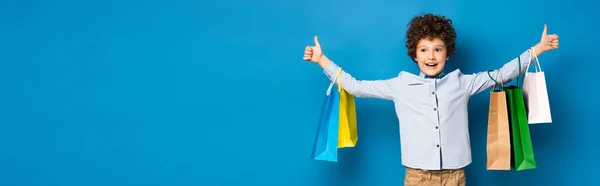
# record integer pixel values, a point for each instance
(431, 106)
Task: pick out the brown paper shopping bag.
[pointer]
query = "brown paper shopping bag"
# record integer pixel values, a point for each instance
(498, 137)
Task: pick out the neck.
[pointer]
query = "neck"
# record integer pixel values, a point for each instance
(432, 76)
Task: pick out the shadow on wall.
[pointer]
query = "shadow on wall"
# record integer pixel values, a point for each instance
(460, 60)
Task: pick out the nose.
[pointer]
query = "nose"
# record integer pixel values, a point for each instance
(431, 56)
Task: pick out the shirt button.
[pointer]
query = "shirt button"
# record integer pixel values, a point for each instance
(436, 127)
(437, 174)
(438, 145)
(432, 93)
(434, 109)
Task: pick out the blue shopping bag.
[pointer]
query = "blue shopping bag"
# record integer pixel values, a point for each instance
(326, 142)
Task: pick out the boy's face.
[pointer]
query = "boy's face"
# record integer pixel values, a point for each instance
(431, 56)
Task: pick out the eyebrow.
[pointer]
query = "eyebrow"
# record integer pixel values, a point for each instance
(434, 46)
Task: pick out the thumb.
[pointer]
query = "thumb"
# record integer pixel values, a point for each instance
(317, 44)
(545, 32)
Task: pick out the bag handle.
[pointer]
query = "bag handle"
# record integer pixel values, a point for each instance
(520, 72)
(333, 82)
(519, 57)
(339, 80)
(539, 67)
(496, 82)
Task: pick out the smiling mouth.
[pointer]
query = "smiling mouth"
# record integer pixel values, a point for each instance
(431, 64)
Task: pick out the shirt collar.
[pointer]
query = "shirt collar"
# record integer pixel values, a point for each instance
(441, 75)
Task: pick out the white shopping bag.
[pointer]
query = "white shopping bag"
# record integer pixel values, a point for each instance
(535, 95)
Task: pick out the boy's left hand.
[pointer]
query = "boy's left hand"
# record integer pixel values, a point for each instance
(548, 42)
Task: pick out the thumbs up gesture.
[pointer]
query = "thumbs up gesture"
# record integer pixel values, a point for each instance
(548, 42)
(313, 53)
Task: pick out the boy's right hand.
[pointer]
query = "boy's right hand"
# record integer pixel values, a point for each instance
(315, 54)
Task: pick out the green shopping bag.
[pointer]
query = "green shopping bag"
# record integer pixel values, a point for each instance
(522, 148)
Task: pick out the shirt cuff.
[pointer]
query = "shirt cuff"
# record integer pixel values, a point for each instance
(331, 70)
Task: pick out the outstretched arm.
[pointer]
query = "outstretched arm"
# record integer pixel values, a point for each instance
(382, 89)
(481, 81)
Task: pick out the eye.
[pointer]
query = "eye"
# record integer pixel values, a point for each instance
(438, 49)
(423, 50)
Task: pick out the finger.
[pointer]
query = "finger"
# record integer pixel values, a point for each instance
(306, 58)
(308, 53)
(317, 44)
(554, 41)
(308, 48)
(553, 36)
(545, 30)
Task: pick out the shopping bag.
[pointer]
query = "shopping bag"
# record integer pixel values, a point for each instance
(348, 131)
(326, 140)
(498, 136)
(535, 95)
(521, 139)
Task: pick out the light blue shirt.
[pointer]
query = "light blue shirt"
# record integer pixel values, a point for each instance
(432, 112)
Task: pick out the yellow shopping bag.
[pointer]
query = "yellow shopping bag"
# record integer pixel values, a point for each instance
(348, 132)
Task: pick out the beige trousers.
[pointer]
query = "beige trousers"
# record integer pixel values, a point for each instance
(418, 177)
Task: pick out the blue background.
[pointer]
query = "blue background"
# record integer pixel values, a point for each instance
(216, 92)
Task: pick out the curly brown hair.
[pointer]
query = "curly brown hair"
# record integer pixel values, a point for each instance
(429, 26)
